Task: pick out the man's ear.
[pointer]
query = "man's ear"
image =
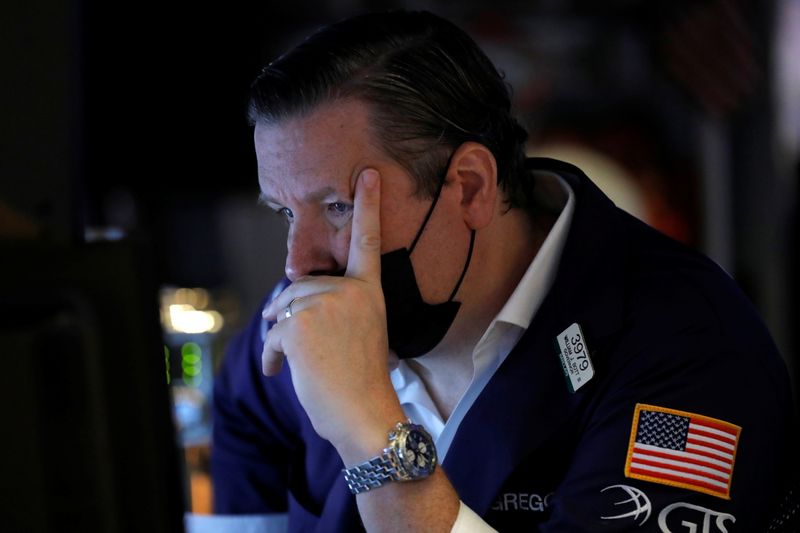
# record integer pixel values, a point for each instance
(473, 168)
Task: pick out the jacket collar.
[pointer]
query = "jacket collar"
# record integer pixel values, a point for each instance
(527, 399)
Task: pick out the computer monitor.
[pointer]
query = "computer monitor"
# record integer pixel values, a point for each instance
(88, 441)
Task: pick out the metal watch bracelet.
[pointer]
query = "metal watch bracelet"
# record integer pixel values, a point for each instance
(370, 474)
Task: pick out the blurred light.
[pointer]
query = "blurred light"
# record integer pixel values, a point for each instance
(98, 234)
(184, 318)
(185, 310)
(197, 298)
(609, 175)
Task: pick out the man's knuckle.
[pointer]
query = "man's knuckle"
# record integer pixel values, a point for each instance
(370, 241)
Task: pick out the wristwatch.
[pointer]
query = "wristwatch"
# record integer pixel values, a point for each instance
(410, 455)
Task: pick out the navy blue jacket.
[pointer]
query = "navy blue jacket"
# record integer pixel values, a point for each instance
(666, 327)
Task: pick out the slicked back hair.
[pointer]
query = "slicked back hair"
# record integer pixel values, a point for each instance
(428, 87)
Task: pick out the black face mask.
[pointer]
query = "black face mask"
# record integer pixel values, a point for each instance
(415, 327)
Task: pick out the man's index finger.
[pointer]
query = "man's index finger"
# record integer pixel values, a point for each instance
(364, 260)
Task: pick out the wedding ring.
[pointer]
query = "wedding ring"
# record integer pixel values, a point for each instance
(287, 313)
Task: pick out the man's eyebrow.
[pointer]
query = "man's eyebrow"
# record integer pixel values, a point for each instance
(312, 197)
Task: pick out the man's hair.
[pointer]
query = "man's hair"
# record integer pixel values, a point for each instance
(427, 84)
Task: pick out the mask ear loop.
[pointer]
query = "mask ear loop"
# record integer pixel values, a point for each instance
(433, 205)
(425, 223)
(466, 265)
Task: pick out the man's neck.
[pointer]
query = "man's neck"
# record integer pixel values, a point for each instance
(503, 252)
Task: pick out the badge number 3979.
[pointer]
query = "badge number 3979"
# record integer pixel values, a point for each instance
(574, 354)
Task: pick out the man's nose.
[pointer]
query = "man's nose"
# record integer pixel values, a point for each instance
(308, 252)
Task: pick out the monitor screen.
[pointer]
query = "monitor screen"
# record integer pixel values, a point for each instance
(88, 439)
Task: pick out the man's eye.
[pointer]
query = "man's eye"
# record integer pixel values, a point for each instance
(340, 208)
(285, 213)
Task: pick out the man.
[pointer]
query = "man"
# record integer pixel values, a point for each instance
(576, 370)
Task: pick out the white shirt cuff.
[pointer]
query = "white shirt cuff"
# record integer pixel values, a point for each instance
(468, 522)
(252, 523)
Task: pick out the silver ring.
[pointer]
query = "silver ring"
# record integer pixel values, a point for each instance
(287, 313)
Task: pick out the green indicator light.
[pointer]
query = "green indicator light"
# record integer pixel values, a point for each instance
(192, 371)
(192, 364)
(191, 348)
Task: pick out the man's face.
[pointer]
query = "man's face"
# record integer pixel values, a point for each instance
(307, 170)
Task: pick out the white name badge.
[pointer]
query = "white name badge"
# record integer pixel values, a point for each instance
(574, 355)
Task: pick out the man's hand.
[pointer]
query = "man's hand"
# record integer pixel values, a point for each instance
(336, 342)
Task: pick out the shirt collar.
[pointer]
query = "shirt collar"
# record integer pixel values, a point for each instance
(523, 303)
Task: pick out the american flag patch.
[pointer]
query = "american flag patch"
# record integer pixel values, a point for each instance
(682, 450)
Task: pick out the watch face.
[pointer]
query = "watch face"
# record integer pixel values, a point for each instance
(416, 452)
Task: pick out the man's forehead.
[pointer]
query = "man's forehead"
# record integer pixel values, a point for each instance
(318, 151)
(317, 160)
